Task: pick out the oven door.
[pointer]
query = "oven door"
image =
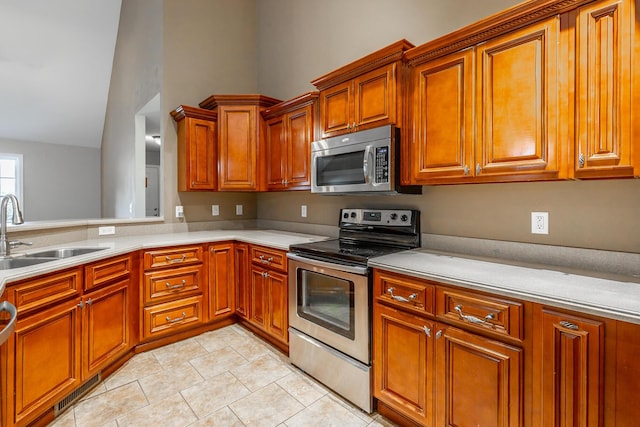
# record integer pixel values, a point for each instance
(330, 302)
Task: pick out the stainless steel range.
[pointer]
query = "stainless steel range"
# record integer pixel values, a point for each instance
(330, 298)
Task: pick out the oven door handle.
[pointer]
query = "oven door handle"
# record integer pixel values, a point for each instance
(330, 265)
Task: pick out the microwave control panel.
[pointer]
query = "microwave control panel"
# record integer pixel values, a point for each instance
(382, 165)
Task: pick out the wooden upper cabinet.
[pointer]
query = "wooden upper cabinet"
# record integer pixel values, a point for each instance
(197, 151)
(441, 119)
(517, 105)
(607, 138)
(290, 131)
(240, 132)
(365, 93)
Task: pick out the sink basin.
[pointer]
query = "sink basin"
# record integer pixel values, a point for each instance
(6, 264)
(64, 252)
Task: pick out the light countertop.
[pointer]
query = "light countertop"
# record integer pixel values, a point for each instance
(618, 299)
(121, 245)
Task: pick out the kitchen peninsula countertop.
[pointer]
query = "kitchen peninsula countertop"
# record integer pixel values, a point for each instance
(121, 245)
(616, 298)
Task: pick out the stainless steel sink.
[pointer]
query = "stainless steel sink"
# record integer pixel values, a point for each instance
(8, 263)
(64, 252)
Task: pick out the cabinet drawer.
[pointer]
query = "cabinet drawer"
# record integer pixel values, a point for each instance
(107, 271)
(404, 292)
(173, 257)
(169, 317)
(45, 290)
(171, 284)
(267, 257)
(480, 312)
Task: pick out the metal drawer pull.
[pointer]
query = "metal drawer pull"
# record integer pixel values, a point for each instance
(569, 325)
(474, 319)
(411, 298)
(265, 260)
(184, 316)
(178, 286)
(169, 259)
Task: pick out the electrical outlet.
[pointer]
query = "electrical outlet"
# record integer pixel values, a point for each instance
(106, 230)
(215, 210)
(238, 209)
(540, 222)
(179, 212)
(303, 211)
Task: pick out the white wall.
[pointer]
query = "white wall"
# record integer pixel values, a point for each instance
(136, 78)
(60, 181)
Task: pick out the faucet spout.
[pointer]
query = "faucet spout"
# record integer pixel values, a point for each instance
(5, 246)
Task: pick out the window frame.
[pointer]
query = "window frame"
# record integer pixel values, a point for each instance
(18, 159)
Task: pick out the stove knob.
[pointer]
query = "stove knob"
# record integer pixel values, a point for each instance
(345, 215)
(393, 216)
(404, 218)
(353, 214)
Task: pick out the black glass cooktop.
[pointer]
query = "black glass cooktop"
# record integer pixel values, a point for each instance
(335, 249)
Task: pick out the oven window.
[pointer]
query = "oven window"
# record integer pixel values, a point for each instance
(326, 301)
(340, 169)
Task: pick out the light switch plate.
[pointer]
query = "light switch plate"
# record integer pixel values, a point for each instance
(238, 209)
(215, 210)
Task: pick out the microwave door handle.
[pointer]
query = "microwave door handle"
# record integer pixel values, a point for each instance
(366, 164)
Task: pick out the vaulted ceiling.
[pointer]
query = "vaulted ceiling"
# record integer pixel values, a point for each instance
(55, 68)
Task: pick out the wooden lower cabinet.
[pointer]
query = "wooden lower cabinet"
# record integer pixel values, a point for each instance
(44, 361)
(241, 259)
(570, 358)
(439, 375)
(222, 293)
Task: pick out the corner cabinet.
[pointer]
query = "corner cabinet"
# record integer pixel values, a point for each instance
(222, 280)
(197, 150)
(240, 137)
(365, 93)
(290, 130)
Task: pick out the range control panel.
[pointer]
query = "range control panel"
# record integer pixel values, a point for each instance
(387, 217)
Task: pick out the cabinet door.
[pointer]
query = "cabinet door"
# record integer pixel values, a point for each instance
(258, 297)
(442, 119)
(403, 363)
(221, 281)
(375, 98)
(517, 103)
(604, 88)
(241, 259)
(479, 381)
(238, 146)
(570, 365)
(276, 153)
(197, 157)
(278, 318)
(300, 137)
(336, 109)
(47, 352)
(106, 326)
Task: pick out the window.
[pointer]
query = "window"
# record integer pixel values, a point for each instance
(11, 177)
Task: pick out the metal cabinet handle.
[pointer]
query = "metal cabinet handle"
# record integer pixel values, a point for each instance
(177, 319)
(348, 126)
(89, 302)
(569, 325)
(478, 168)
(264, 274)
(466, 170)
(11, 326)
(169, 259)
(439, 333)
(265, 260)
(474, 319)
(178, 286)
(411, 298)
(81, 304)
(427, 331)
(581, 160)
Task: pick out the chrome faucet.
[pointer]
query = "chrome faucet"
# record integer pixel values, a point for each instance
(5, 245)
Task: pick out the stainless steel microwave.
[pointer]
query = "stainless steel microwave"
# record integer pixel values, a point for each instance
(367, 161)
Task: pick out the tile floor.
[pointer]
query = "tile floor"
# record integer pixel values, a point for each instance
(230, 378)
